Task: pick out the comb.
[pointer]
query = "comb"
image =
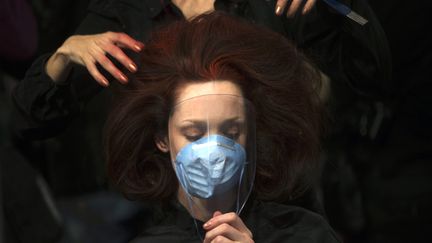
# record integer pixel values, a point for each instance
(346, 11)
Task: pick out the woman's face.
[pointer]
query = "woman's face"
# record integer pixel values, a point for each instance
(203, 109)
(212, 169)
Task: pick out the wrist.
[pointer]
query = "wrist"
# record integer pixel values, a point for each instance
(58, 67)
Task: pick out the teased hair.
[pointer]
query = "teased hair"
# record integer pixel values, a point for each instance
(278, 79)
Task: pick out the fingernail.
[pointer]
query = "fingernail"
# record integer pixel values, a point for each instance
(305, 10)
(278, 10)
(132, 67)
(105, 82)
(137, 47)
(124, 78)
(207, 224)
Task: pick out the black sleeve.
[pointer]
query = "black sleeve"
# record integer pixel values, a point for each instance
(273, 222)
(346, 51)
(44, 108)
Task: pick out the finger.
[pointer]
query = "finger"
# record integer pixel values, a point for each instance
(295, 4)
(111, 68)
(124, 40)
(228, 218)
(118, 54)
(221, 239)
(94, 72)
(216, 213)
(224, 230)
(308, 6)
(280, 6)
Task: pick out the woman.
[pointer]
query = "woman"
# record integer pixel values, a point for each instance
(213, 115)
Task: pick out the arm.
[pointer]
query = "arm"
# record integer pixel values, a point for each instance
(357, 56)
(49, 96)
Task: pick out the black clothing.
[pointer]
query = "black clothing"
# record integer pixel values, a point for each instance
(268, 222)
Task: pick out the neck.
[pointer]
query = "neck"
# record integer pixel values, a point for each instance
(202, 209)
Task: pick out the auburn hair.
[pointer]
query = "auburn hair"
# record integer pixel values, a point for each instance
(278, 79)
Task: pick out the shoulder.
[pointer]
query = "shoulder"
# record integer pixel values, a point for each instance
(134, 17)
(169, 223)
(272, 222)
(114, 8)
(108, 8)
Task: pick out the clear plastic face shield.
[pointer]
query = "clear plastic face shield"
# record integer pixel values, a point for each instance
(212, 146)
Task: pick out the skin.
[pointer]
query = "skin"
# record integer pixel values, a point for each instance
(190, 111)
(227, 227)
(192, 105)
(194, 8)
(291, 9)
(87, 50)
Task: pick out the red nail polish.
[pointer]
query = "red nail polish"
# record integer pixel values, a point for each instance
(105, 82)
(122, 77)
(132, 67)
(278, 10)
(137, 47)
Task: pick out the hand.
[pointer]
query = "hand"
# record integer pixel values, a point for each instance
(88, 50)
(192, 8)
(293, 7)
(226, 228)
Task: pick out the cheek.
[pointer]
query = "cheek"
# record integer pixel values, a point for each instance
(176, 143)
(242, 140)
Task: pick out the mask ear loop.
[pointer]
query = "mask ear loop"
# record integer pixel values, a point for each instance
(190, 203)
(240, 208)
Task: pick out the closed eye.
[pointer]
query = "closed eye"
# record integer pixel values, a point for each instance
(232, 129)
(193, 132)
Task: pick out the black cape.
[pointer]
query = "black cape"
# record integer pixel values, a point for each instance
(269, 222)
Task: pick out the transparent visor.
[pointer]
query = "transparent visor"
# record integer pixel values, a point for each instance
(212, 145)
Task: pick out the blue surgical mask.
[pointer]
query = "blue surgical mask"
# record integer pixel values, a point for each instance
(210, 166)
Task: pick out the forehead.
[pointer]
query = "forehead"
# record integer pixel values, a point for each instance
(213, 100)
(223, 87)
